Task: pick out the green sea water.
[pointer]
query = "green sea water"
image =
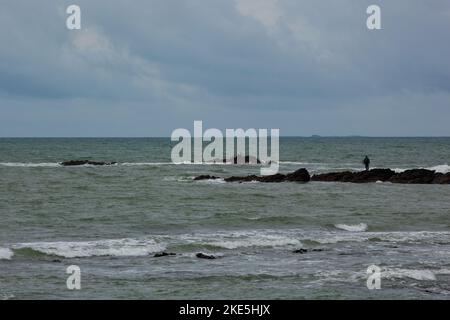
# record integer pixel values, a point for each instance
(110, 221)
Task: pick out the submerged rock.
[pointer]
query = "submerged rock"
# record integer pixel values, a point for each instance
(205, 256)
(164, 254)
(205, 177)
(86, 162)
(301, 251)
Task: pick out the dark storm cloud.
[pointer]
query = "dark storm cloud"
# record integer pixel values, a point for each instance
(251, 63)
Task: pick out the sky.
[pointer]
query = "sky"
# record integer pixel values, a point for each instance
(147, 67)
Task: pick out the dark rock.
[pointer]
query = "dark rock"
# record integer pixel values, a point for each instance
(333, 176)
(440, 178)
(86, 162)
(56, 261)
(301, 251)
(272, 178)
(74, 163)
(301, 175)
(205, 177)
(242, 179)
(205, 256)
(373, 175)
(417, 176)
(164, 254)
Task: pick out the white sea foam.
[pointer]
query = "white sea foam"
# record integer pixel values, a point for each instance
(138, 164)
(6, 254)
(256, 241)
(5, 297)
(116, 247)
(443, 168)
(352, 227)
(30, 165)
(213, 181)
(420, 275)
(241, 239)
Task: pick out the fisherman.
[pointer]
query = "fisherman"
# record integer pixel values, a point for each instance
(366, 162)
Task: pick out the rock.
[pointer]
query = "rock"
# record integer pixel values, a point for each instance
(164, 254)
(205, 177)
(440, 178)
(86, 162)
(56, 261)
(242, 179)
(373, 175)
(272, 178)
(74, 163)
(301, 251)
(417, 176)
(301, 175)
(205, 256)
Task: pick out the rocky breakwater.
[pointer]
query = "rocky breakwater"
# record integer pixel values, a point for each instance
(413, 176)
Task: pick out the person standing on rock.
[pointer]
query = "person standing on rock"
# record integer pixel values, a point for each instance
(366, 162)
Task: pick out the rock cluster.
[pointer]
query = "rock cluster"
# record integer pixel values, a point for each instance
(301, 175)
(413, 176)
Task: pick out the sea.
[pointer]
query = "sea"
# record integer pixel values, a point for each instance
(110, 221)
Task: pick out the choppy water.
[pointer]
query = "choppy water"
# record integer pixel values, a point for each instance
(111, 220)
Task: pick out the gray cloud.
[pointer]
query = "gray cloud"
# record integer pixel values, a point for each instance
(147, 67)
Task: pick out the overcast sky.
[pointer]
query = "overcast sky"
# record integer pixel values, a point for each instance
(145, 68)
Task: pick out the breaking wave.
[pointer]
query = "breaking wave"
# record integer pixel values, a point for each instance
(352, 227)
(6, 254)
(230, 240)
(30, 165)
(117, 247)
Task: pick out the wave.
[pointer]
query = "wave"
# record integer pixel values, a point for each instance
(420, 275)
(118, 248)
(257, 241)
(213, 181)
(138, 164)
(229, 240)
(352, 227)
(5, 297)
(442, 168)
(30, 164)
(6, 254)
(313, 166)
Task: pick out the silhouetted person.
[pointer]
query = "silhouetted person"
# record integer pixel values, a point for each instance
(366, 162)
